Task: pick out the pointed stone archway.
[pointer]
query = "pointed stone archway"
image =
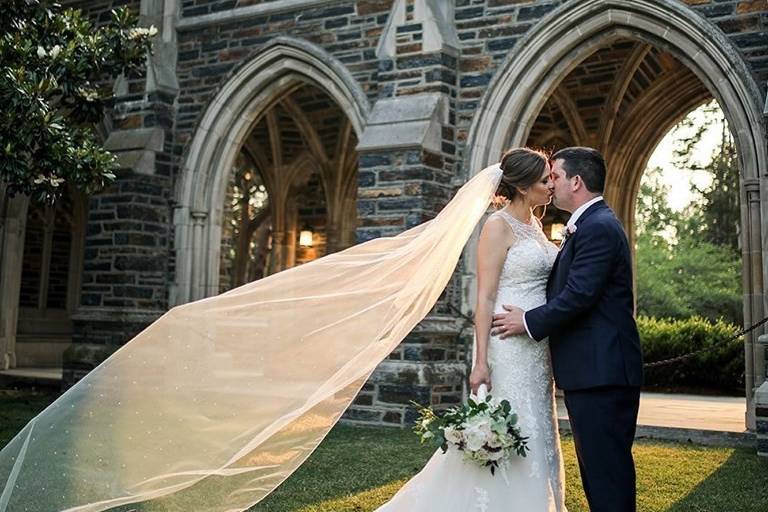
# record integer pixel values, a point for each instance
(281, 67)
(532, 76)
(298, 169)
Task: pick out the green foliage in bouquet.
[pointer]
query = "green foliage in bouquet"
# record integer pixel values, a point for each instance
(53, 68)
(484, 429)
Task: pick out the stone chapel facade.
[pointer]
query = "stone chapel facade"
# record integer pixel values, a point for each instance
(347, 120)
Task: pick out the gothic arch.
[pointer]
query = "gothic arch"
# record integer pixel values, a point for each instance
(279, 66)
(566, 37)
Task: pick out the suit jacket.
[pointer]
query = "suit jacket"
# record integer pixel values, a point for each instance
(589, 314)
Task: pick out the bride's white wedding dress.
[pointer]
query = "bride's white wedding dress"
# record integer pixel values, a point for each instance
(520, 372)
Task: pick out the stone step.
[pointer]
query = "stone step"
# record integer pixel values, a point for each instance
(31, 376)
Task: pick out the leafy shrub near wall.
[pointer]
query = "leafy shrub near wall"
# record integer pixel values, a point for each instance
(721, 368)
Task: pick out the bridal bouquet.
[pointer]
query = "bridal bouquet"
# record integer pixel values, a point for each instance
(484, 428)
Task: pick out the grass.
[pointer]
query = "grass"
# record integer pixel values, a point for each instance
(17, 408)
(356, 469)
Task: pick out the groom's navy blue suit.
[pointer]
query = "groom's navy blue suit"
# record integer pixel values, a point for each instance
(596, 356)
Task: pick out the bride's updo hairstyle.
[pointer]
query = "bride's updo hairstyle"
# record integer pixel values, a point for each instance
(521, 168)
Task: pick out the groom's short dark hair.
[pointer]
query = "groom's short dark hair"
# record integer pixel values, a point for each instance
(585, 162)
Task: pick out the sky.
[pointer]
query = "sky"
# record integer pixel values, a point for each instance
(679, 180)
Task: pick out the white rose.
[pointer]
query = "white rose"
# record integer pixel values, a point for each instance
(474, 439)
(452, 435)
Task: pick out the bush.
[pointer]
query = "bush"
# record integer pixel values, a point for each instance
(721, 368)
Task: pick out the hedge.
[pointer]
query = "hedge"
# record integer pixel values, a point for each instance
(721, 368)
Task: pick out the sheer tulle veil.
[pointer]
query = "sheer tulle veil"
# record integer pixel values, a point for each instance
(217, 402)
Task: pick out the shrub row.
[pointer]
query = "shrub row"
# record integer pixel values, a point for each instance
(721, 368)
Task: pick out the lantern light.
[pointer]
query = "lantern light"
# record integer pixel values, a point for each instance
(305, 236)
(556, 232)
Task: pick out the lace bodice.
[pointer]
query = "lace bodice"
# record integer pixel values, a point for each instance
(528, 262)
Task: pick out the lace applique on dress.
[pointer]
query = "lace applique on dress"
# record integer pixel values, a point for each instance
(481, 505)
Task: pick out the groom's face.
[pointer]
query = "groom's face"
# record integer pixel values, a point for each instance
(561, 186)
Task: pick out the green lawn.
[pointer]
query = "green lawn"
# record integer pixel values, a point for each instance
(358, 468)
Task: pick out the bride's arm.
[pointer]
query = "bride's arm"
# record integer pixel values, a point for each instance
(491, 251)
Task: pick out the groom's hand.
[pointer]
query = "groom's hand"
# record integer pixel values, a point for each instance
(509, 323)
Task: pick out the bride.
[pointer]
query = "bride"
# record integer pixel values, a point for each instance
(514, 259)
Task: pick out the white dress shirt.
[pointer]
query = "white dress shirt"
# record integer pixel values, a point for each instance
(571, 222)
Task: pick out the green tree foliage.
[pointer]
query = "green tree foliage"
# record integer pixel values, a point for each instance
(692, 277)
(653, 214)
(687, 262)
(716, 217)
(53, 64)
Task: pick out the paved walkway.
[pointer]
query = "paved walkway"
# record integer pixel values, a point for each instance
(704, 419)
(716, 413)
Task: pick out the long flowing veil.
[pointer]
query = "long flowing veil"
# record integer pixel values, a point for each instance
(218, 401)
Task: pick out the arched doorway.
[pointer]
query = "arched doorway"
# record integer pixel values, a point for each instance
(617, 75)
(269, 115)
(292, 193)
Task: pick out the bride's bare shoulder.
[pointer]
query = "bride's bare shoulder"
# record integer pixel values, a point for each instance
(496, 227)
(496, 221)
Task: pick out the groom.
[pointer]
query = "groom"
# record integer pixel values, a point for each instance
(595, 348)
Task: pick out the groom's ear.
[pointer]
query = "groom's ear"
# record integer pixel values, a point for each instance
(577, 183)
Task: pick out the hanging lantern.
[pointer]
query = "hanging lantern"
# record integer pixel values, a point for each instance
(305, 236)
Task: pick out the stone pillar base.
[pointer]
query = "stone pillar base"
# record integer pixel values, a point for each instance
(98, 333)
(761, 419)
(428, 367)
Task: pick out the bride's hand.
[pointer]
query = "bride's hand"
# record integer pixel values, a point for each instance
(481, 374)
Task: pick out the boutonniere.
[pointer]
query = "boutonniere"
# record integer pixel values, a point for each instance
(568, 231)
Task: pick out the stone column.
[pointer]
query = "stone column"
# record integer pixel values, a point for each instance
(199, 254)
(761, 406)
(752, 255)
(756, 371)
(12, 227)
(406, 175)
